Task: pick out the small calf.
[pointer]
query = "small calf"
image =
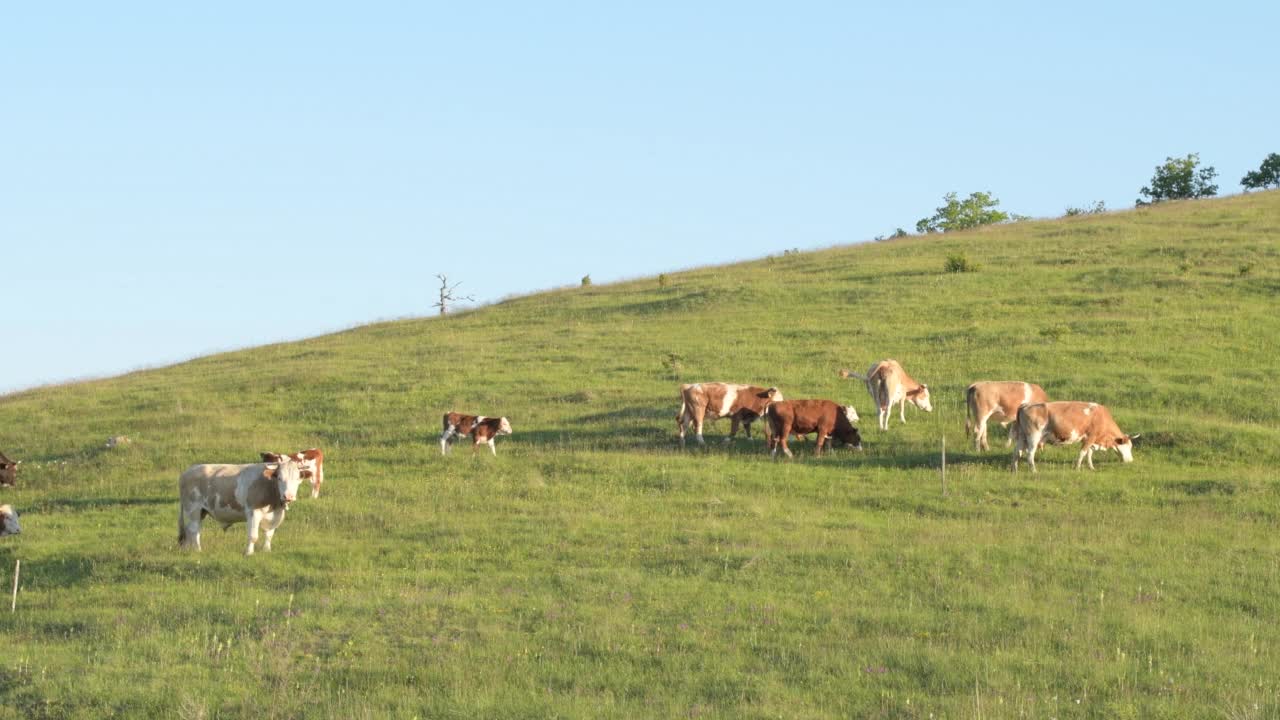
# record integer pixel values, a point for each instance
(312, 462)
(483, 430)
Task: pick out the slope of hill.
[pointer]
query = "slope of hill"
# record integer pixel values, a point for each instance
(594, 570)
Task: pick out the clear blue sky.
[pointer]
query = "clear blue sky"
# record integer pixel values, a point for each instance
(180, 178)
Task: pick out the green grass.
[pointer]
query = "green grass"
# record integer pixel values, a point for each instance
(593, 570)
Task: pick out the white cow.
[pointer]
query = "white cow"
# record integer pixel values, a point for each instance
(231, 493)
(888, 383)
(9, 521)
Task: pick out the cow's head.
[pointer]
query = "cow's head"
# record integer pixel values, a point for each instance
(1124, 446)
(849, 436)
(9, 521)
(504, 426)
(920, 398)
(9, 471)
(288, 476)
(844, 430)
(773, 395)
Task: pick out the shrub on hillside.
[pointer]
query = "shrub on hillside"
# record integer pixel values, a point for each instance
(959, 263)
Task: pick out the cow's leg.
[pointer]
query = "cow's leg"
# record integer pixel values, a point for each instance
(189, 527)
(902, 409)
(982, 431)
(817, 450)
(698, 417)
(734, 423)
(445, 437)
(746, 426)
(274, 518)
(786, 432)
(254, 517)
(681, 420)
(492, 449)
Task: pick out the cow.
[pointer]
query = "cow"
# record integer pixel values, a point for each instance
(312, 461)
(1066, 422)
(231, 493)
(998, 400)
(483, 430)
(9, 521)
(8, 471)
(742, 404)
(824, 417)
(888, 383)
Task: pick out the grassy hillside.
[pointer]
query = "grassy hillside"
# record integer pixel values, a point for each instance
(594, 570)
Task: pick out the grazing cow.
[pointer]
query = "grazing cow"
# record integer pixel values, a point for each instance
(231, 493)
(1063, 423)
(8, 471)
(824, 417)
(483, 430)
(999, 400)
(742, 404)
(888, 383)
(312, 462)
(9, 521)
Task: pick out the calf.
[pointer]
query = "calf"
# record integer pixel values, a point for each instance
(742, 404)
(999, 400)
(824, 417)
(483, 430)
(888, 383)
(312, 461)
(8, 471)
(231, 493)
(9, 521)
(1063, 423)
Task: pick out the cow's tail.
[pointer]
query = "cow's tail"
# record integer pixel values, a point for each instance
(969, 409)
(846, 374)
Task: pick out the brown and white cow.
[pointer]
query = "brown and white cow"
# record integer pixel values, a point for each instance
(312, 462)
(232, 493)
(742, 404)
(888, 383)
(1066, 422)
(9, 521)
(483, 430)
(8, 471)
(824, 417)
(998, 399)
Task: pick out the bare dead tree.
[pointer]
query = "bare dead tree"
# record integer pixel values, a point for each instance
(446, 295)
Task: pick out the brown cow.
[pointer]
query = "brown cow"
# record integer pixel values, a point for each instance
(312, 462)
(888, 383)
(483, 430)
(8, 471)
(9, 521)
(742, 404)
(824, 417)
(999, 400)
(1066, 422)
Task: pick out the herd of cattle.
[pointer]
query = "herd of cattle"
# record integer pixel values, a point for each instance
(260, 493)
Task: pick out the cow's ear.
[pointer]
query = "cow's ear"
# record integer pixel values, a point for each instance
(1122, 440)
(269, 472)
